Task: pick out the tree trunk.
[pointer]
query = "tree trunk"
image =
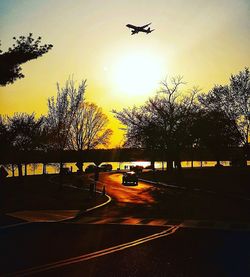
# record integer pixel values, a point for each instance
(178, 164)
(13, 170)
(170, 165)
(60, 185)
(44, 168)
(20, 170)
(61, 167)
(245, 154)
(79, 165)
(152, 164)
(218, 164)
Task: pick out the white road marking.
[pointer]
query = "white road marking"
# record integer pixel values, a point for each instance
(14, 225)
(81, 258)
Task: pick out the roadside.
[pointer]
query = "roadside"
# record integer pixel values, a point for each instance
(224, 180)
(41, 198)
(201, 194)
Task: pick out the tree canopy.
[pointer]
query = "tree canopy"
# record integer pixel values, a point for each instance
(23, 50)
(89, 128)
(233, 100)
(62, 111)
(174, 121)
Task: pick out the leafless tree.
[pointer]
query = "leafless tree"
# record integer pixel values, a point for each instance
(240, 90)
(89, 128)
(162, 122)
(62, 112)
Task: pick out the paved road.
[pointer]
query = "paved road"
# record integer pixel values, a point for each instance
(129, 237)
(72, 250)
(148, 201)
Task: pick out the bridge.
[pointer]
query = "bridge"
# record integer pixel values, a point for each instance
(98, 156)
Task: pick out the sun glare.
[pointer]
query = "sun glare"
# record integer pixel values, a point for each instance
(138, 73)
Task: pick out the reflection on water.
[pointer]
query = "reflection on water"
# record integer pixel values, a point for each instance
(37, 169)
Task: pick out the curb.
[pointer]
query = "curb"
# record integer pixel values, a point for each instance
(161, 184)
(81, 212)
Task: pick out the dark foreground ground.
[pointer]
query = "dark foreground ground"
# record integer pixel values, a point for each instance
(191, 251)
(224, 179)
(187, 252)
(46, 192)
(207, 193)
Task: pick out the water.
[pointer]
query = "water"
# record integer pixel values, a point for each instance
(37, 169)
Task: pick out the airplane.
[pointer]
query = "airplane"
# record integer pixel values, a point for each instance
(137, 29)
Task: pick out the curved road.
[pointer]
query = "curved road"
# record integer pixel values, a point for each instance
(132, 236)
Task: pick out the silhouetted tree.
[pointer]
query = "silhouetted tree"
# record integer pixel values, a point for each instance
(240, 90)
(176, 111)
(234, 101)
(89, 128)
(162, 122)
(23, 50)
(5, 141)
(62, 112)
(215, 131)
(141, 130)
(24, 133)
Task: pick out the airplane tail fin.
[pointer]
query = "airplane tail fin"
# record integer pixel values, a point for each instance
(149, 30)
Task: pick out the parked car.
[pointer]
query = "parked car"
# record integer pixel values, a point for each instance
(65, 171)
(130, 178)
(91, 168)
(137, 168)
(106, 167)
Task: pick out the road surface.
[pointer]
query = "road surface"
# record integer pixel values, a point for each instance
(129, 237)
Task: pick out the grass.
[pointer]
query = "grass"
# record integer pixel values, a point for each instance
(44, 193)
(229, 202)
(225, 179)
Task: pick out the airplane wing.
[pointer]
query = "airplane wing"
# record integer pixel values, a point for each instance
(134, 32)
(146, 25)
(131, 26)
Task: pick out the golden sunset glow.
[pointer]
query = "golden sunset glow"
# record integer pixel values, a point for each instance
(204, 41)
(137, 73)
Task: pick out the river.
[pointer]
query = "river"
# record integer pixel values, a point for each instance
(37, 169)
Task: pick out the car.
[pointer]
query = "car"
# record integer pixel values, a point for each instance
(65, 171)
(106, 167)
(130, 178)
(91, 168)
(137, 168)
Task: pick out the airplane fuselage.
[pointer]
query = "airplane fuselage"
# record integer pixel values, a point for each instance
(137, 29)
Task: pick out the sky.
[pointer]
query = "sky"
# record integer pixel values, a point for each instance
(203, 41)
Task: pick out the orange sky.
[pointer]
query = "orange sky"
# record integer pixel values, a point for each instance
(205, 41)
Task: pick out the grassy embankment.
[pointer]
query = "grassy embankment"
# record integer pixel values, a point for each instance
(44, 193)
(224, 179)
(207, 194)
